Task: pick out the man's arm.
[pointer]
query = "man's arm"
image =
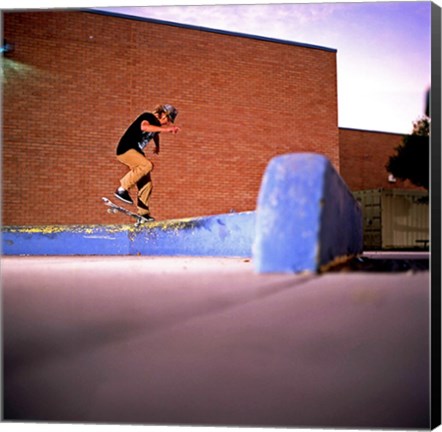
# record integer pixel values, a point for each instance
(147, 127)
(156, 141)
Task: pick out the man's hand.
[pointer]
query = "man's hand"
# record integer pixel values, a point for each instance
(173, 129)
(156, 150)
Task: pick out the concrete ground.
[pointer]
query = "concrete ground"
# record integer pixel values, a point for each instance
(206, 341)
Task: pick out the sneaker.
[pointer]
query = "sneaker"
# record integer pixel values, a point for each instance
(148, 218)
(123, 196)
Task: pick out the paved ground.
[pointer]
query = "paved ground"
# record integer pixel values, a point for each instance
(205, 341)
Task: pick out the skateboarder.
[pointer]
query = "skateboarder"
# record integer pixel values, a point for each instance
(130, 152)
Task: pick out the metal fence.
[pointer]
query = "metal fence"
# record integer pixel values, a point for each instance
(395, 218)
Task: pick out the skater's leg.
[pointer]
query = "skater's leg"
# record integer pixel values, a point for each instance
(139, 167)
(144, 186)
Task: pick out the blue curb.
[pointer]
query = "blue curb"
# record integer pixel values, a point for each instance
(66, 240)
(306, 216)
(229, 235)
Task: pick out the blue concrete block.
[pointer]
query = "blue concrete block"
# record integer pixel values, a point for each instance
(306, 217)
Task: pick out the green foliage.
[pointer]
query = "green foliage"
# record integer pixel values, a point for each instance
(412, 158)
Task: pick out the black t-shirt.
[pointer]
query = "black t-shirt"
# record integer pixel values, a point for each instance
(134, 138)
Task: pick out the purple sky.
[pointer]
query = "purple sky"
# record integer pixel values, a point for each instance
(383, 49)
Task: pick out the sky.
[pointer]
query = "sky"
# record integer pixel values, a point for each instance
(383, 49)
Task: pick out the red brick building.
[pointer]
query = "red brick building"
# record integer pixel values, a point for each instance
(76, 80)
(363, 156)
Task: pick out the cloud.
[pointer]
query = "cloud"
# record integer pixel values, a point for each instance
(270, 20)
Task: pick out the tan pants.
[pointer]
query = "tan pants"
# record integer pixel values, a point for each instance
(139, 175)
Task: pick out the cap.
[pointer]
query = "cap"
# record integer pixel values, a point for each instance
(170, 111)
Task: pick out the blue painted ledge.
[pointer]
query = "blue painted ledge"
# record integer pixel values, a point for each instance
(229, 235)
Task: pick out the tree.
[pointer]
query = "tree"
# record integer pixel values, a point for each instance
(412, 158)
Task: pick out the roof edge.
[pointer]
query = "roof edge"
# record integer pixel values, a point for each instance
(371, 131)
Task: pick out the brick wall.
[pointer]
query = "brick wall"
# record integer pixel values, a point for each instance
(363, 156)
(76, 80)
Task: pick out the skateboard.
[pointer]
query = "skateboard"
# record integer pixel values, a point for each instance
(113, 208)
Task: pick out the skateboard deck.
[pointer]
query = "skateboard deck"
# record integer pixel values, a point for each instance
(114, 208)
